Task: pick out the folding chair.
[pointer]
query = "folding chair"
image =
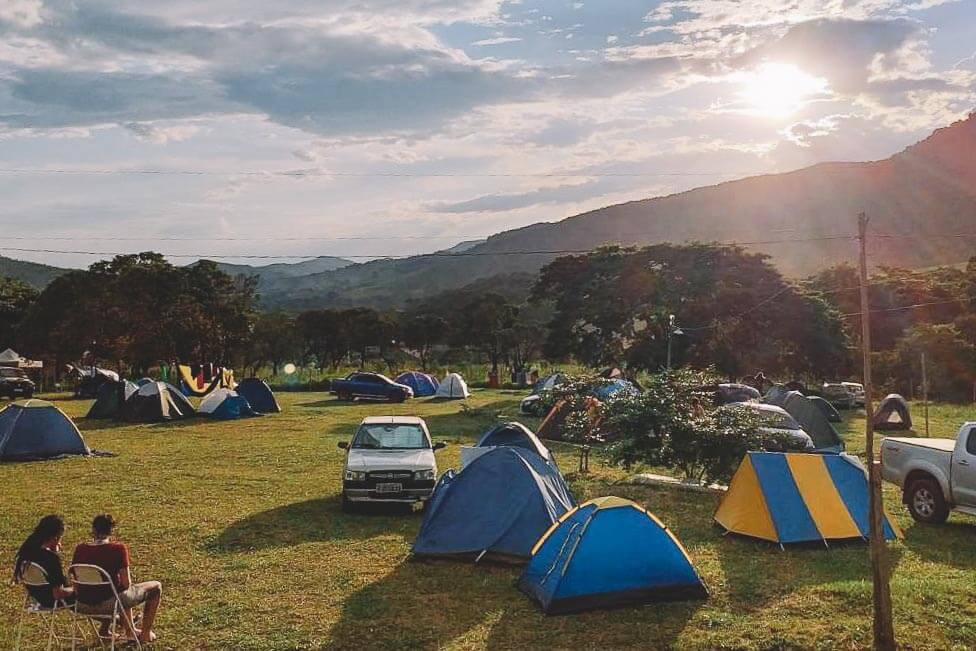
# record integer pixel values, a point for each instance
(36, 577)
(94, 576)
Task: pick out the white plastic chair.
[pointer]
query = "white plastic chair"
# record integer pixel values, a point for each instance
(94, 576)
(36, 577)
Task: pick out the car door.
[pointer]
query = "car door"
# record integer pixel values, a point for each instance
(964, 469)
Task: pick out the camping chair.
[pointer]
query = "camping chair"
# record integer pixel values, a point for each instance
(36, 577)
(95, 576)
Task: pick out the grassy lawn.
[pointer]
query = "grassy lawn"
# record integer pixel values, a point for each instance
(241, 522)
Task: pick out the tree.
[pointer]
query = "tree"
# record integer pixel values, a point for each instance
(275, 340)
(660, 427)
(422, 332)
(16, 298)
(613, 307)
(141, 310)
(484, 320)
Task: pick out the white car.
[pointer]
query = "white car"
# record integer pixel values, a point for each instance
(389, 460)
(858, 390)
(776, 420)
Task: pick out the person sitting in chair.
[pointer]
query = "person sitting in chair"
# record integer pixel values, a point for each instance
(42, 547)
(113, 557)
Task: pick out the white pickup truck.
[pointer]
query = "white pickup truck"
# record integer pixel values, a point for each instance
(936, 475)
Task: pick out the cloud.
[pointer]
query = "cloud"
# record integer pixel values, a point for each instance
(498, 40)
(503, 202)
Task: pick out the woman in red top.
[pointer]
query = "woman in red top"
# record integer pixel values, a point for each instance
(113, 557)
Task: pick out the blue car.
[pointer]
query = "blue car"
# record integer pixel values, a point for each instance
(370, 386)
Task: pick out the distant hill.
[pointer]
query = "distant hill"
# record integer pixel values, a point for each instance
(285, 269)
(929, 187)
(34, 274)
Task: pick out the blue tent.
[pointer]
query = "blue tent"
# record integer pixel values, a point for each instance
(259, 395)
(224, 404)
(423, 385)
(514, 434)
(608, 552)
(499, 505)
(35, 429)
(614, 387)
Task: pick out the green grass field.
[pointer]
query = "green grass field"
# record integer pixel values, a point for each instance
(241, 522)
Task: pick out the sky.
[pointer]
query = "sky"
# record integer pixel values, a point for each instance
(391, 127)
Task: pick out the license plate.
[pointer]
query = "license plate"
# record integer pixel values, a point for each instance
(389, 488)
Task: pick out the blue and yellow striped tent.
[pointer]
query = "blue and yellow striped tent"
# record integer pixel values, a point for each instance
(795, 497)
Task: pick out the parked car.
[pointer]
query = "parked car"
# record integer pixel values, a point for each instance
(370, 386)
(840, 395)
(935, 475)
(858, 390)
(776, 420)
(389, 460)
(14, 383)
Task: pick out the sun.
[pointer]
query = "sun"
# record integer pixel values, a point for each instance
(779, 89)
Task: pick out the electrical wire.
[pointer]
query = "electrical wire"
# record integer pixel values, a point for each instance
(327, 174)
(436, 254)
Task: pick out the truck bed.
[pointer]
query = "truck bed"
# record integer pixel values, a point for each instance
(943, 445)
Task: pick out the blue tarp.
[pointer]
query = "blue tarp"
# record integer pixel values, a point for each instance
(259, 395)
(609, 552)
(612, 388)
(35, 429)
(500, 504)
(423, 385)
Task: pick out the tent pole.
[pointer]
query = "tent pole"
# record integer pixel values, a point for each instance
(884, 632)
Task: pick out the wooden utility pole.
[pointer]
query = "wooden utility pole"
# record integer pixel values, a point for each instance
(884, 630)
(925, 395)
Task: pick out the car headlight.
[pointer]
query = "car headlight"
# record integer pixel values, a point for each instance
(355, 475)
(425, 475)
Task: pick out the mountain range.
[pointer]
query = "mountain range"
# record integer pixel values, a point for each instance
(921, 203)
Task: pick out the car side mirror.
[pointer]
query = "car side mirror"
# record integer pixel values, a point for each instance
(440, 445)
(343, 445)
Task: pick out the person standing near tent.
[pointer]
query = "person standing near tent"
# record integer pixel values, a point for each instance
(113, 557)
(42, 547)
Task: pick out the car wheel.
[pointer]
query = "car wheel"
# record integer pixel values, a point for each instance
(926, 502)
(348, 506)
(342, 395)
(28, 394)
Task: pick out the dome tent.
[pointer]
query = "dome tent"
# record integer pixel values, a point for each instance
(111, 396)
(608, 552)
(35, 429)
(796, 498)
(513, 434)
(226, 404)
(453, 387)
(259, 395)
(892, 414)
(810, 417)
(423, 385)
(498, 505)
(156, 401)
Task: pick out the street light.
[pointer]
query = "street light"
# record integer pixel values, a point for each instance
(672, 331)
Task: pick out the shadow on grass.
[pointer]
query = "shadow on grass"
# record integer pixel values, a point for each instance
(314, 520)
(950, 543)
(757, 572)
(425, 605)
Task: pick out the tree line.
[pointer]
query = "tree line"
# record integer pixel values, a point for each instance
(732, 311)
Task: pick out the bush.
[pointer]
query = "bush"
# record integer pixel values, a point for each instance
(661, 428)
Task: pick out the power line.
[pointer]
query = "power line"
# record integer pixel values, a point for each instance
(381, 174)
(913, 306)
(436, 254)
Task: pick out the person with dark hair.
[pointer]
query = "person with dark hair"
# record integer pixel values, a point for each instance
(42, 547)
(113, 557)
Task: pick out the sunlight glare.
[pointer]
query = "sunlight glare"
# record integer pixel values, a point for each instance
(779, 89)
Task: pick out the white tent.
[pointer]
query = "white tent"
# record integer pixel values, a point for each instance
(215, 399)
(9, 357)
(453, 386)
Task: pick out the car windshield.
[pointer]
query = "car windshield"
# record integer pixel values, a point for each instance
(390, 437)
(777, 420)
